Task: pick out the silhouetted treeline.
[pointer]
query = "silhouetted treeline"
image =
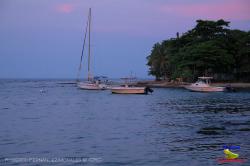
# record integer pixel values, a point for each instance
(209, 49)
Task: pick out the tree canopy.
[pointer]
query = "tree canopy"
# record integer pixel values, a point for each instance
(209, 49)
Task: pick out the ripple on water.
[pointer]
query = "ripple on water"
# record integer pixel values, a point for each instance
(213, 130)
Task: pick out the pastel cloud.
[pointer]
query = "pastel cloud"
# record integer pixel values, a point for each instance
(225, 9)
(65, 8)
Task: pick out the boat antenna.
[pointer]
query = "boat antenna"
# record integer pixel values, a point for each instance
(89, 45)
(84, 41)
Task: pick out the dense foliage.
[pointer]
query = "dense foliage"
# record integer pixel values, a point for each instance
(209, 49)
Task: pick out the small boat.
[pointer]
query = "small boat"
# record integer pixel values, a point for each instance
(129, 89)
(203, 85)
(92, 83)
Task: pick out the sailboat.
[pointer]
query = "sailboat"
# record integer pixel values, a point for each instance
(90, 84)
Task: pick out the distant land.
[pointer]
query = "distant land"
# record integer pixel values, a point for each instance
(209, 49)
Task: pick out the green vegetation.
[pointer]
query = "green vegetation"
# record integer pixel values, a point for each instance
(209, 49)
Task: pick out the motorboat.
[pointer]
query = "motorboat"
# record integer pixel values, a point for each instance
(203, 84)
(129, 89)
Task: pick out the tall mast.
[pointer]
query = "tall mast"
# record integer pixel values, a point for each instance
(89, 45)
(80, 66)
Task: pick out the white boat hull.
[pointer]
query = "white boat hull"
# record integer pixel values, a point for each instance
(129, 90)
(205, 89)
(91, 86)
(203, 85)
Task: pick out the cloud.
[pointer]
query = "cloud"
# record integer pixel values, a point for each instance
(225, 9)
(65, 8)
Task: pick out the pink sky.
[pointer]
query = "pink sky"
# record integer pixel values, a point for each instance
(64, 8)
(141, 17)
(229, 9)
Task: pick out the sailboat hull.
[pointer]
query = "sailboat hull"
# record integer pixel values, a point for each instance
(91, 86)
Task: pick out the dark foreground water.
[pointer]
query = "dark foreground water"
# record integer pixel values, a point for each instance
(62, 125)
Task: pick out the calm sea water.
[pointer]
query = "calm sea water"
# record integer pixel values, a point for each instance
(169, 127)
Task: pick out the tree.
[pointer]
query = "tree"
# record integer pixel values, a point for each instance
(158, 62)
(240, 48)
(210, 48)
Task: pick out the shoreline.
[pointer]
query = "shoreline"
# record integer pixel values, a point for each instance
(165, 84)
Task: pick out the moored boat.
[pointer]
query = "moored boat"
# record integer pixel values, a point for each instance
(91, 86)
(93, 83)
(129, 89)
(203, 85)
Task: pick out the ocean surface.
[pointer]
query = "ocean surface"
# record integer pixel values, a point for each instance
(50, 122)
